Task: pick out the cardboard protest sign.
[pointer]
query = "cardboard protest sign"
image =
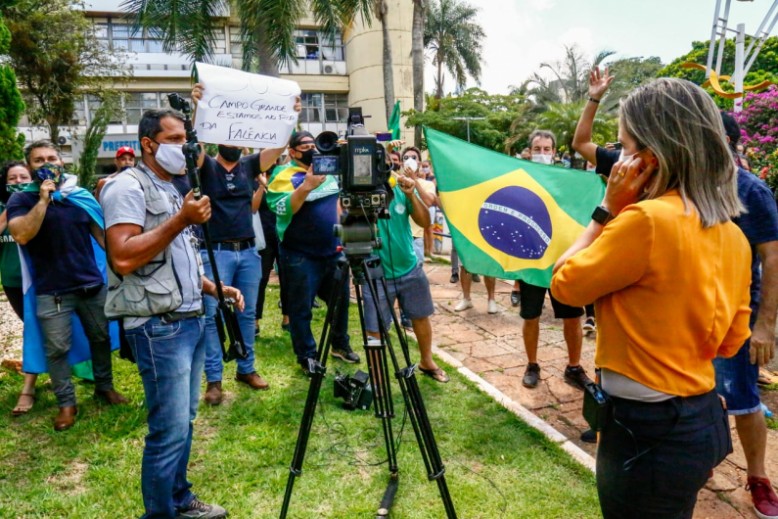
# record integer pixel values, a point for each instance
(243, 109)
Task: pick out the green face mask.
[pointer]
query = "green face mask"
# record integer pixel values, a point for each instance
(25, 187)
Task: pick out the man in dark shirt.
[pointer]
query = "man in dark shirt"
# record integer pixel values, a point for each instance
(56, 234)
(736, 376)
(306, 206)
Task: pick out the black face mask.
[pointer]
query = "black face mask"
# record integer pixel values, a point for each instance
(230, 154)
(395, 166)
(307, 157)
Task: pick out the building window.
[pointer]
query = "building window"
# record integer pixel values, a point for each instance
(324, 108)
(311, 44)
(120, 36)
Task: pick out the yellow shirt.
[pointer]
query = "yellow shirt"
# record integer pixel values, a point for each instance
(670, 295)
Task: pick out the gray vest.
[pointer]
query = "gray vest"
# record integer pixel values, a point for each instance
(153, 289)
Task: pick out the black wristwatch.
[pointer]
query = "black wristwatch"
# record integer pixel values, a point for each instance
(601, 215)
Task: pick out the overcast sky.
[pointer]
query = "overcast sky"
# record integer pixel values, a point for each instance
(521, 34)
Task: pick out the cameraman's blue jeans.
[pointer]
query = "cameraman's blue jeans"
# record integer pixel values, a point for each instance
(242, 270)
(306, 277)
(170, 361)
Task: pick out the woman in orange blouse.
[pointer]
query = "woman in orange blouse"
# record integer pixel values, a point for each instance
(670, 275)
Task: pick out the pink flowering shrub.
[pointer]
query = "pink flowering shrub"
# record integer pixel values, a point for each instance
(759, 129)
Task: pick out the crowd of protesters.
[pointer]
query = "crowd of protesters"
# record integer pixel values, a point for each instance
(685, 235)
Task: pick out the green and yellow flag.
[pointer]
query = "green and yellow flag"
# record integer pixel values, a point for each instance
(394, 121)
(510, 218)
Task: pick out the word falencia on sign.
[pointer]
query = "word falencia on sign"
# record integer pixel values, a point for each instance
(243, 109)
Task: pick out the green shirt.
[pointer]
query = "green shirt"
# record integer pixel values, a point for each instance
(10, 266)
(396, 253)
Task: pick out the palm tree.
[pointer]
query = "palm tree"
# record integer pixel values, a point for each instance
(381, 12)
(188, 26)
(417, 60)
(570, 83)
(454, 37)
(562, 118)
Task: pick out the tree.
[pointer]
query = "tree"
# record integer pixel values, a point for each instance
(93, 139)
(570, 78)
(267, 26)
(455, 39)
(629, 74)
(11, 104)
(765, 66)
(759, 128)
(381, 11)
(493, 132)
(417, 60)
(56, 58)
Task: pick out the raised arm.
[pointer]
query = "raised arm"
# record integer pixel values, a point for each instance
(25, 228)
(582, 139)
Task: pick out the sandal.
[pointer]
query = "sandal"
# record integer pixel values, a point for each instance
(23, 405)
(436, 374)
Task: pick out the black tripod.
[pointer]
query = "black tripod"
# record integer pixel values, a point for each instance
(368, 272)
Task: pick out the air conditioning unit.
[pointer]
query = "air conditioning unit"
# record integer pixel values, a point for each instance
(329, 69)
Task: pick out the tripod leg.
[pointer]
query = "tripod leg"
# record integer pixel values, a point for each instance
(418, 414)
(316, 370)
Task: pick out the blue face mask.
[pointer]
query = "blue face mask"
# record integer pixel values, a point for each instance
(51, 172)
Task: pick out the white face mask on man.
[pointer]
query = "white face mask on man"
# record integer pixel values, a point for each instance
(542, 158)
(171, 158)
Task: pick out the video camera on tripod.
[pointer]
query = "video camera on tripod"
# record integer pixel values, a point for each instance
(365, 194)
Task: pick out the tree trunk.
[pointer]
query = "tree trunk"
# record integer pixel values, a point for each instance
(417, 58)
(439, 79)
(387, 61)
(267, 62)
(53, 131)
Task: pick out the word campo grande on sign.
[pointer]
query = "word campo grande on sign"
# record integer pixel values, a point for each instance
(243, 109)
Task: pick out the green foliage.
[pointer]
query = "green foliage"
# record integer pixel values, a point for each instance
(562, 118)
(496, 465)
(454, 36)
(629, 74)
(56, 58)
(11, 105)
(93, 138)
(493, 132)
(765, 66)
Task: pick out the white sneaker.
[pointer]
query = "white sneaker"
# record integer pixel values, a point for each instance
(463, 304)
(491, 307)
(589, 325)
(373, 341)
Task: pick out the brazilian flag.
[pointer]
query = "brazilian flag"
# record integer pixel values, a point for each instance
(510, 218)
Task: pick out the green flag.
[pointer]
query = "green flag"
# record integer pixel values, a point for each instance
(510, 218)
(394, 121)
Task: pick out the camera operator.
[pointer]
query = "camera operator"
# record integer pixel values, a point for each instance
(158, 290)
(405, 277)
(306, 207)
(56, 232)
(227, 181)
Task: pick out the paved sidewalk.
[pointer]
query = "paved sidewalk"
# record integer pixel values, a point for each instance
(491, 347)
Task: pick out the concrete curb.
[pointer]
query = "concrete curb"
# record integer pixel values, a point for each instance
(519, 410)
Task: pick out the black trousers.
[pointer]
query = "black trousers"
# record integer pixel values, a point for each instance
(653, 459)
(16, 299)
(269, 256)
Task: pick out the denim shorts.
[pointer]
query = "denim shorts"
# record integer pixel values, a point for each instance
(413, 292)
(736, 382)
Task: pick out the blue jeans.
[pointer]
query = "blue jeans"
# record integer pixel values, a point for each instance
(242, 270)
(170, 361)
(306, 277)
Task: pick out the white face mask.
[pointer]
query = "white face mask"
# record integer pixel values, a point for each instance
(171, 158)
(623, 157)
(411, 164)
(542, 158)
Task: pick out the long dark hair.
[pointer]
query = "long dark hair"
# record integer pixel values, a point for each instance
(4, 194)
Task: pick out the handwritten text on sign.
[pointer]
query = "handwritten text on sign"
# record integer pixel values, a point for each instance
(242, 109)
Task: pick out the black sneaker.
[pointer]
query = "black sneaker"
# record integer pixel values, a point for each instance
(345, 354)
(589, 436)
(589, 325)
(476, 278)
(531, 376)
(454, 278)
(515, 298)
(576, 376)
(199, 510)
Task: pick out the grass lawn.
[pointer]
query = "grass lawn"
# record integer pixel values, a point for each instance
(496, 466)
